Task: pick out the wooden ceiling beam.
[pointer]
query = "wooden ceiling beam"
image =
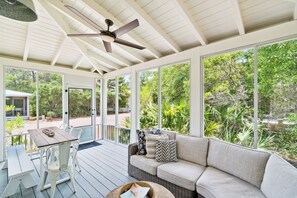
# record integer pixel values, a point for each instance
(104, 61)
(237, 16)
(114, 56)
(131, 35)
(58, 5)
(78, 62)
(152, 24)
(58, 52)
(27, 42)
(180, 5)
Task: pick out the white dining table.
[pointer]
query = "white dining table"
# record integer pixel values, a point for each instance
(42, 142)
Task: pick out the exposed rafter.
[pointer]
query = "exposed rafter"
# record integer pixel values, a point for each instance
(64, 27)
(59, 51)
(78, 62)
(114, 56)
(153, 25)
(190, 21)
(92, 70)
(237, 16)
(103, 61)
(61, 8)
(131, 35)
(27, 43)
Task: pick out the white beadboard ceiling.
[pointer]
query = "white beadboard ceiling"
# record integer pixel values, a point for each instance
(166, 27)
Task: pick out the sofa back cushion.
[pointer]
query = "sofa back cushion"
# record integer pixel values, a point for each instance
(244, 163)
(192, 149)
(280, 178)
(171, 134)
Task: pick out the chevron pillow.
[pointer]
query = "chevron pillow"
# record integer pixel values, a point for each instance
(166, 151)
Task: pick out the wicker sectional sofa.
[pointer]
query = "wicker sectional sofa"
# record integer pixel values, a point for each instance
(212, 168)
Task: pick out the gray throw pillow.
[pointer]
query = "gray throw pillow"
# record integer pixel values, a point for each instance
(166, 151)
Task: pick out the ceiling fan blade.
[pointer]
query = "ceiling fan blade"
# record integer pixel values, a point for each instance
(81, 35)
(126, 28)
(127, 43)
(107, 46)
(83, 17)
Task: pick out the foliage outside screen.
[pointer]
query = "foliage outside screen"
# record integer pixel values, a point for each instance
(229, 100)
(175, 89)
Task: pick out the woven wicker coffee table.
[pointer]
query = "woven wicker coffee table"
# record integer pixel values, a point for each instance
(155, 192)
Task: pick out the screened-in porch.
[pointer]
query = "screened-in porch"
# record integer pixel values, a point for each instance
(212, 70)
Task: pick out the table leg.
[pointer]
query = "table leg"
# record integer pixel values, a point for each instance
(41, 160)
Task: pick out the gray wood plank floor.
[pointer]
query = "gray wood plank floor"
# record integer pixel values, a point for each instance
(103, 168)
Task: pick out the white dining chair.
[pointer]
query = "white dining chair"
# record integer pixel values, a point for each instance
(64, 127)
(63, 163)
(75, 145)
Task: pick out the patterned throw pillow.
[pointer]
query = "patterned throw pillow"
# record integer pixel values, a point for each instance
(141, 142)
(166, 151)
(151, 144)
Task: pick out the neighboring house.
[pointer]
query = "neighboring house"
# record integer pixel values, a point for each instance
(20, 100)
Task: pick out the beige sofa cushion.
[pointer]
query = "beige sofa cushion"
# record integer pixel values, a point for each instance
(171, 134)
(214, 183)
(193, 149)
(247, 164)
(181, 173)
(280, 178)
(145, 164)
(151, 144)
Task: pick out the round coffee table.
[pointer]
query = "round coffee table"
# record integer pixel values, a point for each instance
(159, 191)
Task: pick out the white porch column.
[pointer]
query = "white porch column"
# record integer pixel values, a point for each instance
(104, 107)
(196, 95)
(134, 102)
(2, 113)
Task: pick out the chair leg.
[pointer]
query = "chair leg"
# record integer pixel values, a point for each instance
(43, 180)
(71, 175)
(77, 164)
(53, 177)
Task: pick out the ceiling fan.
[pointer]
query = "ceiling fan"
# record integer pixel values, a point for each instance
(106, 35)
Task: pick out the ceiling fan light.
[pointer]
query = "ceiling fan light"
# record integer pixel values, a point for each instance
(20, 10)
(107, 38)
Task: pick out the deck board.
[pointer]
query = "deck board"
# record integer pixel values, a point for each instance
(103, 168)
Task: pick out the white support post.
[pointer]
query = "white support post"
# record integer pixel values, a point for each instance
(94, 110)
(159, 98)
(64, 102)
(117, 109)
(196, 95)
(2, 113)
(104, 107)
(134, 106)
(28, 107)
(256, 97)
(37, 98)
(101, 108)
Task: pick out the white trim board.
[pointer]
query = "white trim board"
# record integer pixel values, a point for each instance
(45, 67)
